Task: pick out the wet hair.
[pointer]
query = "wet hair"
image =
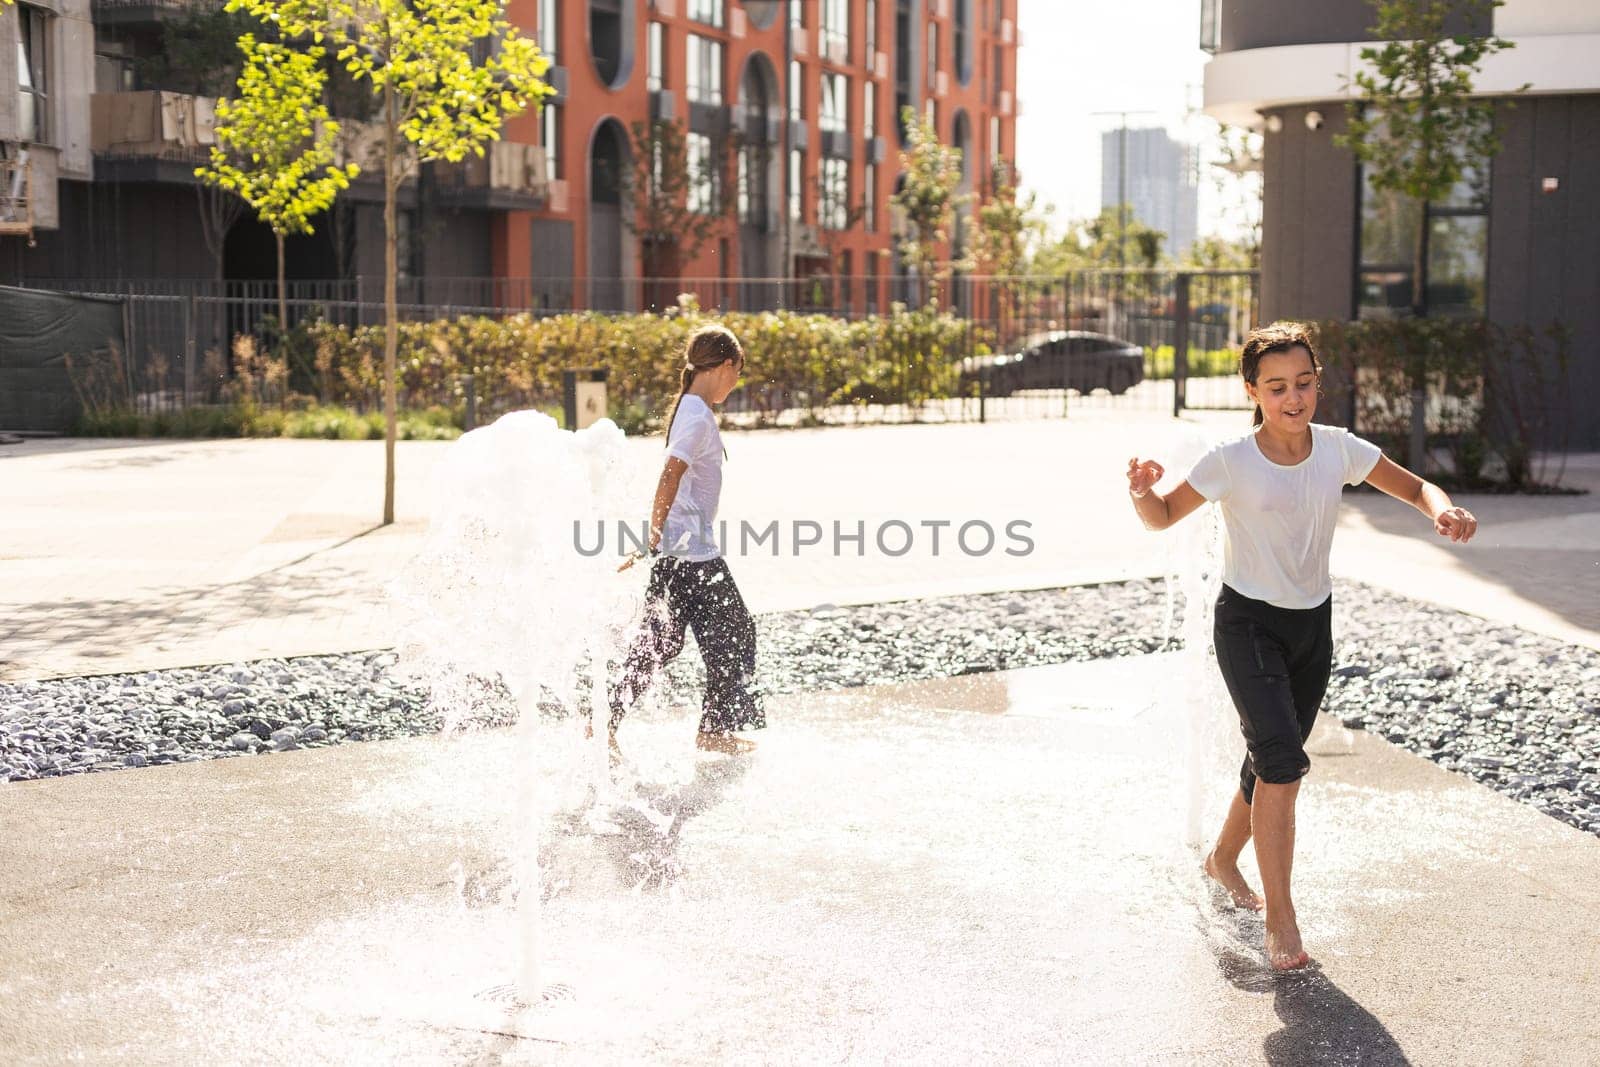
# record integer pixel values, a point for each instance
(708, 347)
(1270, 340)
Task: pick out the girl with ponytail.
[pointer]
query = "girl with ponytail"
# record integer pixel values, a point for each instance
(691, 587)
(1278, 489)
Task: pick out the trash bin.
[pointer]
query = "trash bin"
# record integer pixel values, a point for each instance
(583, 397)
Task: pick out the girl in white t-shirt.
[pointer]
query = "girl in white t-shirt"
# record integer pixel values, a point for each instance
(690, 584)
(1278, 489)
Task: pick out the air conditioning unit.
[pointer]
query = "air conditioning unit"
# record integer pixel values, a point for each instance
(1008, 31)
(838, 50)
(941, 83)
(880, 64)
(1005, 101)
(738, 23)
(559, 201)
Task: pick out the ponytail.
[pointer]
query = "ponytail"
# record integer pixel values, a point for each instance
(708, 347)
(1258, 418)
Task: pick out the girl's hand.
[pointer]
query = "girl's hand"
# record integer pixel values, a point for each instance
(1142, 477)
(1458, 524)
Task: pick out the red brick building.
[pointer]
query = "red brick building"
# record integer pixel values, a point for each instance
(813, 88)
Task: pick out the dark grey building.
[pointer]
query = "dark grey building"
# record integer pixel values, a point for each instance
(1159, 184)
(1523, 246)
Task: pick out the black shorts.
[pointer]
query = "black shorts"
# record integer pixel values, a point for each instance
(1276, 663)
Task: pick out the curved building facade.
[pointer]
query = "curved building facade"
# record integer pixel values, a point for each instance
(1520, 244)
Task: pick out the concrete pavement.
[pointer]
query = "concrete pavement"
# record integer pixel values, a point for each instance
(124, 556)
(985, 869)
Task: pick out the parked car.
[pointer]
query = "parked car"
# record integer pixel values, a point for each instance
(1064, 359)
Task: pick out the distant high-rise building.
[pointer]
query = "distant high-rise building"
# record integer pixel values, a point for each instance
(1161, 188)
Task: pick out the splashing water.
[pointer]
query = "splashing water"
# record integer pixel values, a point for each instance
(1211, 743)
(500, 602)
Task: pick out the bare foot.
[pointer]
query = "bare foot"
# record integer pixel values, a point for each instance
(727, 744)
(1284, 951)
(1230, 879)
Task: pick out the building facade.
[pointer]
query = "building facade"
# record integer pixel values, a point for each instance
(99, 142)
(1520, 244)
(1156, 174)
(810, 91)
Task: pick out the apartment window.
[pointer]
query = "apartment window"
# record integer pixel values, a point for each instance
(995, 152)
(1455, 271)
(797, 162)
(706, 11)
(702, 174)
(705, 70)
(869, 110)
(797, 15)
(835, 42)
(549, 29)
(930, 111)
(656, 75)
(961, 40)
(550, 138)
(872, 32)
(999, 76)
(835, 103)
(933, 54)
(869, 197)
(833, 207)
(797, 91)
(904, 75)
(744, 185)
(33, 74)
(872, 281)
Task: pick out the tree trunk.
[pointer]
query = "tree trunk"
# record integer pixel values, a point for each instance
(390, 326)
(1417, 453)
(283, 304)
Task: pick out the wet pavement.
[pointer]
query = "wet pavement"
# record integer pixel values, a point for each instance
(995, 868)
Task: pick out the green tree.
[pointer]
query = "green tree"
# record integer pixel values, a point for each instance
(927, 199)
(674, 203)
(1009, 225)
(1418, 131)
(276, 144)
(446, 74)
(1414, 124)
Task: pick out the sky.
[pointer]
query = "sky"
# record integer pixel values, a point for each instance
(1079, 57)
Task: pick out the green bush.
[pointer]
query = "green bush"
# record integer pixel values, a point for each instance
(1203, 363)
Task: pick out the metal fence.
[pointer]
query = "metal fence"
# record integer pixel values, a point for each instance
(182, 336)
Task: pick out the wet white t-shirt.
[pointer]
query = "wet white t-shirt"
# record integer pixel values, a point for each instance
(1280, 519)
(690, 530)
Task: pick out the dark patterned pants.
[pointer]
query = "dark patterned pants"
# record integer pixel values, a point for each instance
(701, 597)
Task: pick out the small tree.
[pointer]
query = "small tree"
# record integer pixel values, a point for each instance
(674, 205)
(1417, 129)
(439, 91)
(927, 198)
(276, 144)
(1008, 227)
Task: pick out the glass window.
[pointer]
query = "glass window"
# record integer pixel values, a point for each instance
(550, 139)
(33, 75)
(656, 75)
(836, 30)
(705, 70)
(835, 103)
(797, 91)
(869, 197)
(797, 15)
(933, 54)
(833, 207)
(869, 109)
(995, 151)
(796, 185)
(872, 33)
(1455, 270)
(930, 111)
(702, 174)
(706, 11)
(744, 185)
(549, 29)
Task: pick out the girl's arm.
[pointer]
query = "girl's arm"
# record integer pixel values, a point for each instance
(1158, 512)
(666, 493)
(1458, 524)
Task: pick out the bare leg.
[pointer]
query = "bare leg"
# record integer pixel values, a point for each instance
(1222, 864)
(1272, 821)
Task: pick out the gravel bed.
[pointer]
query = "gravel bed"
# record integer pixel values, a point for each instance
(1514, 710)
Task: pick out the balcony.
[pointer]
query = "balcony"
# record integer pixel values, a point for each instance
(145, 12)
(507, 177)
(151, 136)
(16, 198)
